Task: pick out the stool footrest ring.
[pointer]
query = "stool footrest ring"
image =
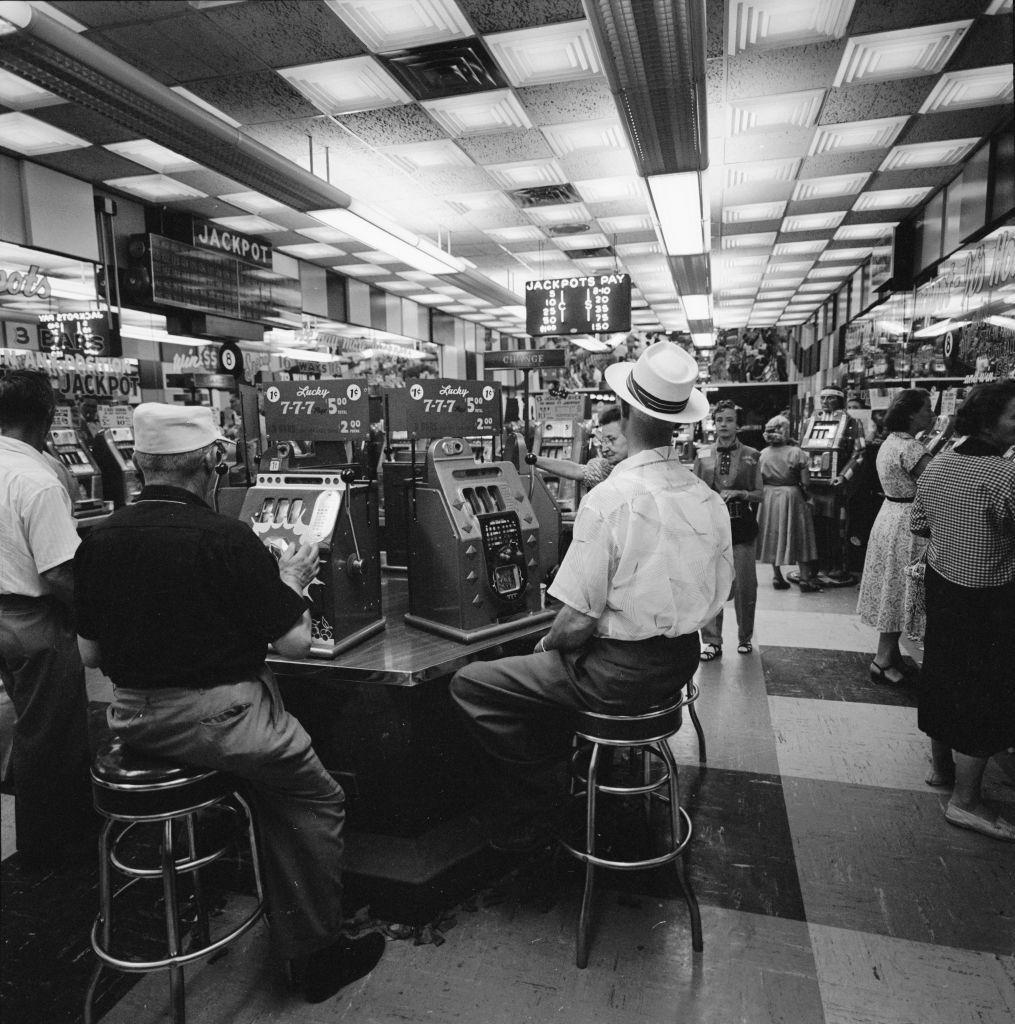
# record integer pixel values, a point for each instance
(634, 865)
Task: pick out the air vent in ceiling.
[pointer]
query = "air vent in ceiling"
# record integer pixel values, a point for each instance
(589, 254)
(569, 229)
(545, 195)
(445, 69)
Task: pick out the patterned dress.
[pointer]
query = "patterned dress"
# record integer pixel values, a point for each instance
(891, 548)
(785, 524)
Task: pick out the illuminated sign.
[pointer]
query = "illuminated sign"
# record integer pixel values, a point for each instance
(597, 304)
(29, 283)
(523, 359)
(251, 250)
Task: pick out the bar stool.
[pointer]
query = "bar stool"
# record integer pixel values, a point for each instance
(144, 793)
(647, 734)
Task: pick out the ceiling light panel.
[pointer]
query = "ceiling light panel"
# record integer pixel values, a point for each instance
(977, 87)
(753, 212)
(890, 199)
(346, 86)
(829, 187)
(550, 53)
(249, 225)
(156, 187)
(905, 53)
(369, 270)
(766, 24)
(828, 272)
(565, 139)
(571, 213)
(765, 172)
(527, 173)
(428, 156)
(857, 135)
(31, 137)
(853, 255)
(927, 154)
(523, 233)
(153, 156)
(592, 240)
(254, 202)
(331, 236)
(855, 232)
(814, 221)
(402, 24)
(759, 240)
(483, 113)
(610, 190)
(788, 267)
(20, 94)
(627, 224)
(479, 202)
(799, 248)
(312, 251)
(393, 285)
(772, 113)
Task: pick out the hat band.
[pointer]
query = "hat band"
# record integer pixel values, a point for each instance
(650, 401)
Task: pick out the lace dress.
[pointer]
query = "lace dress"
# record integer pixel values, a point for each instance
(884, 589)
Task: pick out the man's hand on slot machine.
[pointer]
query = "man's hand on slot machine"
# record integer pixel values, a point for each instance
(299, 565)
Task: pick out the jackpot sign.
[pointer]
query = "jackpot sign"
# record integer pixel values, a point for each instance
(599, 304)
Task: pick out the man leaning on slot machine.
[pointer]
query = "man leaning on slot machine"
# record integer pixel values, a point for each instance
(177, 605)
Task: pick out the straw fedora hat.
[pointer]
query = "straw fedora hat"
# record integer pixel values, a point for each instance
(660, 384)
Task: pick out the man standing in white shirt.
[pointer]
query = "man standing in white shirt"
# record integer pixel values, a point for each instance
(651, 562)
(39, 660)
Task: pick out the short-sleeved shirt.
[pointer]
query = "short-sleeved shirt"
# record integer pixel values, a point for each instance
(965, 503)
(781, 465)
(897, 458)
(651, 554)
(596, 471)
(37, 531)
(177, 595)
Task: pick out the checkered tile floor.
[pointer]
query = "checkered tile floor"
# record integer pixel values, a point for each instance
(832, 891)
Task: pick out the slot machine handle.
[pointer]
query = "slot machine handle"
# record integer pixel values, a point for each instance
(354, 563)
(530, 460)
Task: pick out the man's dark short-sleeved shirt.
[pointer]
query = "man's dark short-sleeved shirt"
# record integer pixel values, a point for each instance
(175, 594)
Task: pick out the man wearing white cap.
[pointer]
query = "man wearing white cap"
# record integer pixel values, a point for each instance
(650, 563)
(177, 605)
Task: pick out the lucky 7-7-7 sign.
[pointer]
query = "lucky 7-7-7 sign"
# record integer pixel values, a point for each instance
(317, 410)
(445, 408)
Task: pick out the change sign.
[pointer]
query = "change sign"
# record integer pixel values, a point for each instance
(445, 408)
(318, 410)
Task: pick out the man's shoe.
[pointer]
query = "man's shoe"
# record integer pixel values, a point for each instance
(996, 828)
(329, 970)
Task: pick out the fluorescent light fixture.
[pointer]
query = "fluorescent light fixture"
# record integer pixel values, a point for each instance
(697, 307)
(250, 225)
(308, 354)
(407, 247)
(702, 339)
(19, 94)
(153, 156)
(369, 270)
(32, 137)
(311, 251)
(995, 320)
(682, 211)
(943, 327)
(157, 187)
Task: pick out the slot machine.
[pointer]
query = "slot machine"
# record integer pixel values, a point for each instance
(476, 561)
(113, 451)
(66, 445)
(305, 492)
(830, 440)
(937, 437)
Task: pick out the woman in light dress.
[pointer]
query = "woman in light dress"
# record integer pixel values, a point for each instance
(891, 548)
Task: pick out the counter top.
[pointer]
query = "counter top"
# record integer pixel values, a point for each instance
(401, 655)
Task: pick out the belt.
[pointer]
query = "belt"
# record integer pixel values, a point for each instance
(899, 501)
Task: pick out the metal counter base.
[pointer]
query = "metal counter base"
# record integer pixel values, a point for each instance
(383, 722)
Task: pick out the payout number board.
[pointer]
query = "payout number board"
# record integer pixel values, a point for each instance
(318, 410)
(439, 407)
(597, 304)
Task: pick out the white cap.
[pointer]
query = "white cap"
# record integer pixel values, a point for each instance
(161, 429)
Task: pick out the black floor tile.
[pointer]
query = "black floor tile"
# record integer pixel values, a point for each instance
(829, 675)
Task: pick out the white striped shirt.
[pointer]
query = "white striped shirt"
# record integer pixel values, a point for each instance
(651, 554)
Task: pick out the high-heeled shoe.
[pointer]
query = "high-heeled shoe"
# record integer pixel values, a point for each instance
(879, 674)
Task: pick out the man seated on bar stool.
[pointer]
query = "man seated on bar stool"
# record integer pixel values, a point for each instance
(177, 604)
(651, 562)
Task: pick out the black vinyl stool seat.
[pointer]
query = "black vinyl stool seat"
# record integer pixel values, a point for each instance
(648, 734)
(136, 790)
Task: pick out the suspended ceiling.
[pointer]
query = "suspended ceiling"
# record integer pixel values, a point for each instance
(489, 127)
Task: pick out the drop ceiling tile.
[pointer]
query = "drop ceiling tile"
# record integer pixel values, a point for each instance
(554, 53)
(586, 240)
(928, 154)
(400, 24)
(488, 113)
(502, 16)
(82, 122)
(797, 249)
(989, 42)
(875, 100)
(451, 180)
(254, 98)
(470, 203)
(769, 113)
(768, 146)
(904, 53)
(891, 199)
(763, 192)
(864, 232)
(955, 124)
(506, 146)
(280, 34)
(109, 12)
(612, 163)
(393, 126)
(834, 164)
(848, 136)
(776, 23)
(853, 254)
(619, 208)
(973, 88)
(564, 102)
(754, 172)
(924, 177)
(813, 221)
(94, 164)
(754, 240)
(428, 156)
(526, 173)
(569, 213)
(604, 190)
(753, 212)
(627, 225)
(343, 86)
(879, 16)
(792, 69)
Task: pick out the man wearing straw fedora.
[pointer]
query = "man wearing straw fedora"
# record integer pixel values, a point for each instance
(650, 563)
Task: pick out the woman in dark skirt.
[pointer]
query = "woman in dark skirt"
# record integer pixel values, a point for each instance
(965, 504)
